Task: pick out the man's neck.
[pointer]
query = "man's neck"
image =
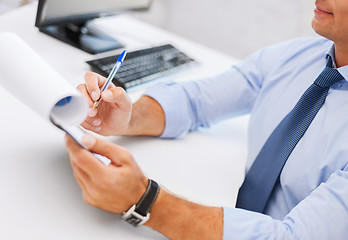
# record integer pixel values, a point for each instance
(341, 54)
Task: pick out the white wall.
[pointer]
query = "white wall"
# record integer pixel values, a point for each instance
(8, 5)
(237, 28)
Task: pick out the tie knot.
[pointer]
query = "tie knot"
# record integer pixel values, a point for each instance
(328, 77)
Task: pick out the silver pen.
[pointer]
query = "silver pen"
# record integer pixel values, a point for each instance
(111, 76)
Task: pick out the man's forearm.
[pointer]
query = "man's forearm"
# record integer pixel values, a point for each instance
(177, 218)
(174, 217)
(147, 118)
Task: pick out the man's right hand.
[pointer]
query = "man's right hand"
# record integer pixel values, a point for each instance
(113, 114)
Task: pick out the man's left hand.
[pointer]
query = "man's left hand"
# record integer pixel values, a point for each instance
(114, 188)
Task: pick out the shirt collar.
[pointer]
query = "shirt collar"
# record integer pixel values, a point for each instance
(342, 70)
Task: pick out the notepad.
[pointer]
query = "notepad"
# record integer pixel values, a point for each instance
(31, 80)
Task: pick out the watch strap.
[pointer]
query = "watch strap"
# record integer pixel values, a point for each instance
(149, 197)
(138, 214)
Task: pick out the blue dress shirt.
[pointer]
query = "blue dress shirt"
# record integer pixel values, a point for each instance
(311, 199)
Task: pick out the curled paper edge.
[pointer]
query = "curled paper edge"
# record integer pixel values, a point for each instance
(31, 80)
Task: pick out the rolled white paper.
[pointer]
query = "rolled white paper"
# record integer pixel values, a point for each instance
(35, 83)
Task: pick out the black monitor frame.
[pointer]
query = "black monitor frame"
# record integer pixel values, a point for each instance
(72, 29)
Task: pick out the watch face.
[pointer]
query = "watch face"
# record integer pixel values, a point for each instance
(133, 220)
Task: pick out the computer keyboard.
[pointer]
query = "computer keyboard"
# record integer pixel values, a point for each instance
(144, 65)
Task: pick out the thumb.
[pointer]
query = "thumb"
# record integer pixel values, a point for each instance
(112, 151)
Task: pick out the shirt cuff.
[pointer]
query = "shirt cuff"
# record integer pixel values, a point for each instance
(173, 100)
(247, 225)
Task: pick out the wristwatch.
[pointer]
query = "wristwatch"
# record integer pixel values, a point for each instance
(139, 213)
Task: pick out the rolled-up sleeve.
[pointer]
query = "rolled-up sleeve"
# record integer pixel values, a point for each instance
(192, 104)
(322, 215)
(174, 102)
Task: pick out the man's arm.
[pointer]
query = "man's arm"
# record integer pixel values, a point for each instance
(180, 219)
(168, 109)
(115, 188)
(147, 118)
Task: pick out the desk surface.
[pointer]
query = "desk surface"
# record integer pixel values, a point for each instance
(39, 196)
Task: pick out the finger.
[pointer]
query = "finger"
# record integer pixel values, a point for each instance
(84, 159)
(93, 121)
(119, 96)
(117, 154)
(89, 126)
(101, 80)
(73, 148)
(80, 178)
(93, 83)
(82, 175)
(83, 186)
(92, 112)
(83, 90)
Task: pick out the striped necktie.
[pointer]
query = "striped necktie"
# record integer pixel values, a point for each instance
(264, 173)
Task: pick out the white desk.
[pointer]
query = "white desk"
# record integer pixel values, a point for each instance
(39, 197)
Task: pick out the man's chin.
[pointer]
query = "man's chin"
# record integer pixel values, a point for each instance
(320, 29)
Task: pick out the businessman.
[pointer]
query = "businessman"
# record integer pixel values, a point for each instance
(296, 184)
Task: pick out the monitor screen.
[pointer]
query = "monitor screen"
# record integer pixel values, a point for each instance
(66, 20)
(63, 11)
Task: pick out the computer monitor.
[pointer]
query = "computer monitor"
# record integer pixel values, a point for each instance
(66, 21)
